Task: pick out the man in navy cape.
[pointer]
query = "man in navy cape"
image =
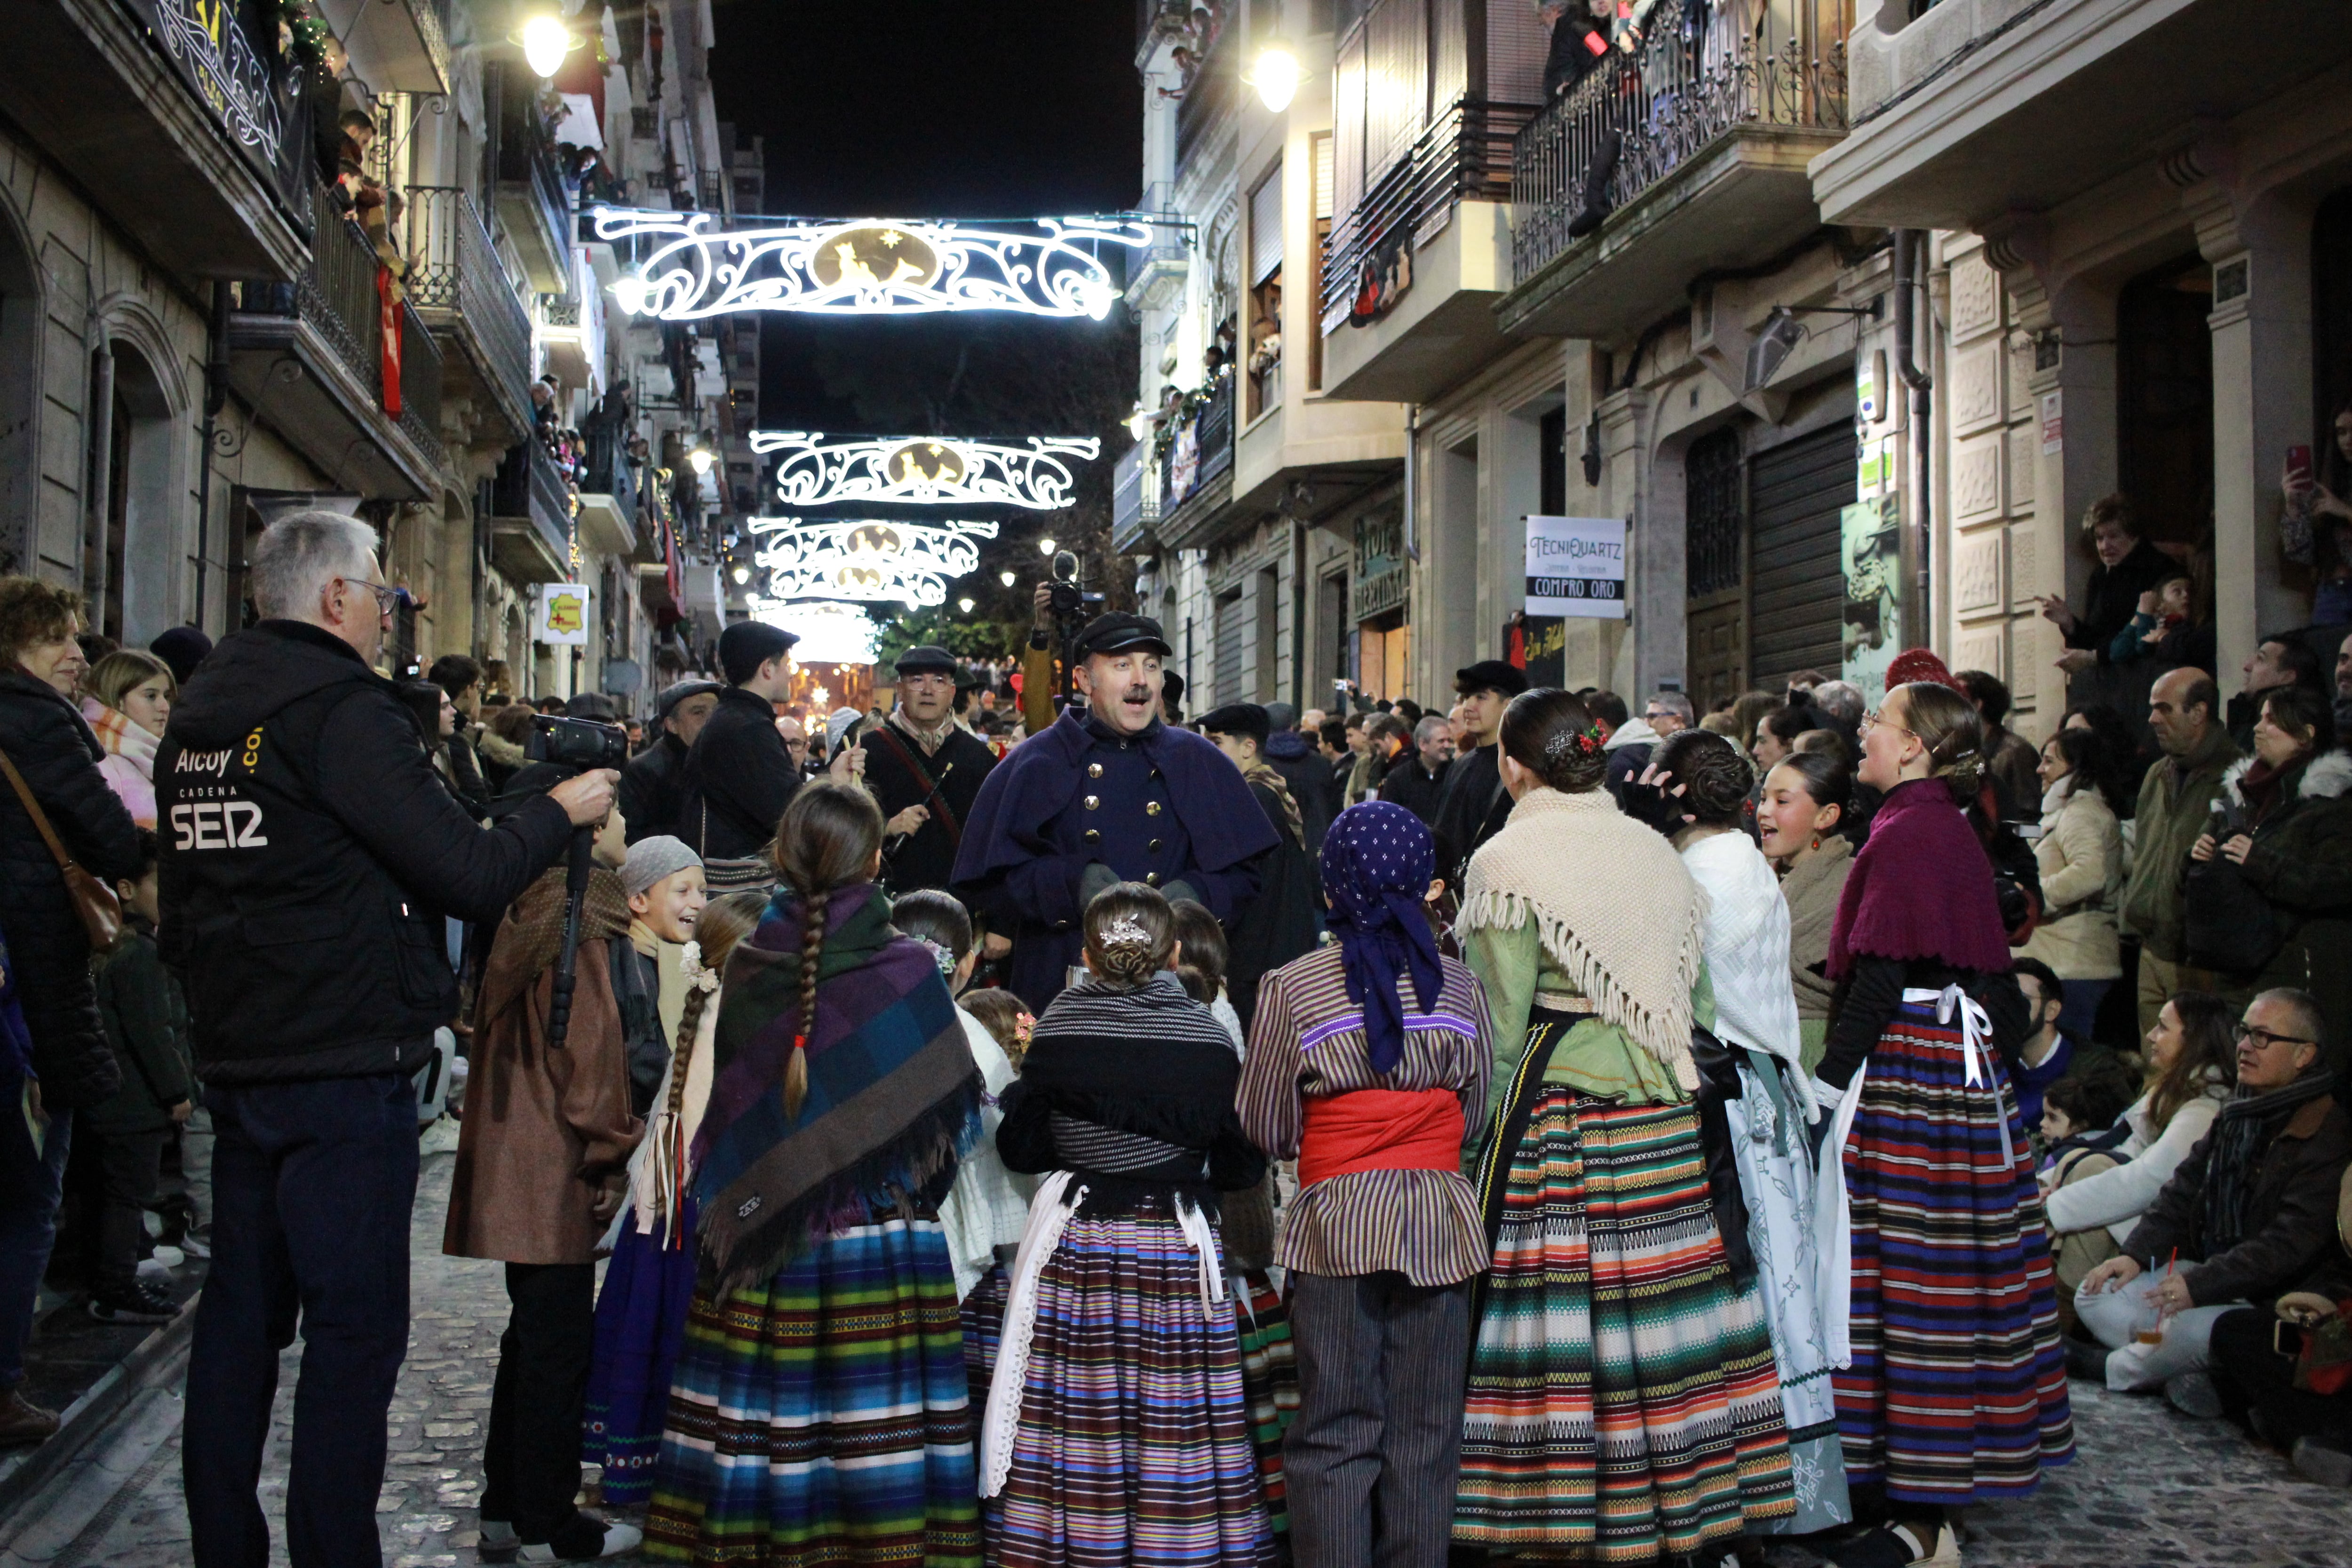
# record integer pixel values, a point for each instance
(1107, 792)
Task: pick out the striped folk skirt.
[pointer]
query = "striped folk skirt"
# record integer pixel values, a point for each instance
(1134, 1443)
(641, 1315)
(1270, 1383)
(1956, 1393)
(1622, 1401)
(822, 1418)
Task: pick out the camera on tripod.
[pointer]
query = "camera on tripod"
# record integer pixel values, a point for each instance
(1073, 605)
(580, 744)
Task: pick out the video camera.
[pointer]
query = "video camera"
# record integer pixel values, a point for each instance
(1073, 607)
(579, 744)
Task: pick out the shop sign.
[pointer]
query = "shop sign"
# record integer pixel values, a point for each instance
(1576, 567)
(558, 614)
(1382, 578)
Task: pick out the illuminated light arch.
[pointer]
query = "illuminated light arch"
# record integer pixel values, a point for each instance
(867, 558)
(865, 266)
(929, 470)
(830, 631)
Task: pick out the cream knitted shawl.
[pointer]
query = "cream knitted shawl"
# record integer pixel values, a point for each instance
(1613, 905)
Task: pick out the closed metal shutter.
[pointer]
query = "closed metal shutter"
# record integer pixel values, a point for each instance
(1796, 492)
(1228, 665)
(1266, 228)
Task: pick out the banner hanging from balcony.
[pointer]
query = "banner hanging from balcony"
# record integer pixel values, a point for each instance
(210, 48)
(684, 270)
(927, 470)
(854, 558)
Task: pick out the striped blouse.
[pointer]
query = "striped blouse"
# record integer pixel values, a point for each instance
(1306, 1042)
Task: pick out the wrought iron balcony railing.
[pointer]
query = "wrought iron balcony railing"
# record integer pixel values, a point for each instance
(454, 280)
(1203, 448)
(1465, 156)
(1752, 62)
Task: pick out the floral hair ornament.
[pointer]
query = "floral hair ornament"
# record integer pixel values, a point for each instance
(941, 956)
(698, 975)
(1022, 1026)
(1125, 932)
(1585, 742)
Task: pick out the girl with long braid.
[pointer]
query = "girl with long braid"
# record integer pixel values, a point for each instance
(819, 1410)
(649, 1283)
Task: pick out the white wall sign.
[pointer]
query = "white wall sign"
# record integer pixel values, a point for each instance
(866, 266)
(558, 614)
(1576, 567)
(930, 470)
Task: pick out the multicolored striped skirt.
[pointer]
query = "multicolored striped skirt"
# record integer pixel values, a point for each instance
(1270, 1383)
(1622, 1401)
(824, 1418)
(983, 1312)
(641, 1315)
(1956, 1393)
(1134, 1443)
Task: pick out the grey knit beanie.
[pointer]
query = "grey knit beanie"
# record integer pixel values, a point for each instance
(651, 859)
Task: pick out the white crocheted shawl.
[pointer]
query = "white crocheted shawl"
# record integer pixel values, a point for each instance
(1613, 904)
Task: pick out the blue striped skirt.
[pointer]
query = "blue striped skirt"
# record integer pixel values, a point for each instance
(1956, 1393)
(640, 1322)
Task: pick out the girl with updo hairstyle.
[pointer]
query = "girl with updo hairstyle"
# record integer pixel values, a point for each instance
(1751, 1008)
(1800, 821)
(1584, 927)
(1956, 1392)
(843, 1095)
(1124, 1110)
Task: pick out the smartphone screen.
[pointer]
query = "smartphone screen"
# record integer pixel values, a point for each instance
(2298, 466)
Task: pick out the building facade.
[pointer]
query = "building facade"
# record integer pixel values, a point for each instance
(342, 259)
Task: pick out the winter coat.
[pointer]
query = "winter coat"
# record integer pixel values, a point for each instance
(1414, 787)
(737, 780)
(2302, 862)
(648, 794)
(147, 1025)
(2081, 856)
(1813, 888)
(2174, 801)
(1308, 775)
(2111, 596)
(310, 853)
(2290, 1226)
(45, 737)
(2116, 1198)
(544, 1129)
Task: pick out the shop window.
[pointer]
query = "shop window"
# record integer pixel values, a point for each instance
(2164, 392)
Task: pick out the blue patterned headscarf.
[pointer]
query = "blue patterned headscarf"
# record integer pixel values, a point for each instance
(1378, 859)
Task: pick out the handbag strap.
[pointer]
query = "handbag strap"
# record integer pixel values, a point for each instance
(33, 809)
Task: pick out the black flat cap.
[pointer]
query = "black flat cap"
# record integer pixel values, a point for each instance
(1237, 719)
(677, 693)
(927, 658)
(1172, 686)
(1490, 675)
(1122, 633)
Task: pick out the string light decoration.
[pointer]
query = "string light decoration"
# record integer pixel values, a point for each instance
(829, 632)
(863, 558)
(866, 266)
(924, 469)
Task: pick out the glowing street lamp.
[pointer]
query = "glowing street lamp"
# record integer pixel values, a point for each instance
(964, 604)
(742, 575)
(1006, 578)
(545, 42)
(1139, 424)
(1046, 546)
(699, 459)
(1277, 77)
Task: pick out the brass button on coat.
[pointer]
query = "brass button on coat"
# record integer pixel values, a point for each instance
(1093, 770)
(1093, 801)
(1151, 879)
(1155, 847)
(1094, 835)
(1151, 809)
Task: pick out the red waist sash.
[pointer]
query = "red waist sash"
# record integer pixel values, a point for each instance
(1381, 1130)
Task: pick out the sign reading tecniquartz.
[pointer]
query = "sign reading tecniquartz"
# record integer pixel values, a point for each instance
(1576, 567)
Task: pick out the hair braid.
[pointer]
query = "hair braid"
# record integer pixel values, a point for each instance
(812, 913)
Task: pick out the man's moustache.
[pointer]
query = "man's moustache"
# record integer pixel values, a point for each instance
(1138, 694)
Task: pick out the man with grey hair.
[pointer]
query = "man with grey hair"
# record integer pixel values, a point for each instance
(1414, 783)
(2249, 1216)
(1630, 745)
(310, 856)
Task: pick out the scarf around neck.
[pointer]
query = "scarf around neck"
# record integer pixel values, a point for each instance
(1261, 772)
(1747, 944)
(1567, 862)
(1378, 859)
(531, 936)
(1920, 889)
(2248, 1124)
(893, 1097)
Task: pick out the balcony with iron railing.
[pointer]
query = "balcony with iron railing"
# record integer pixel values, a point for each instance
(312, 355)
(1411, 271)
(457, 284)
(532, 202)
(1684, 155)
(608, 495)
(395, 45)
(1966, 111)
(1210, 94)
(1195, 467)
(531, 517)
(1134, 499)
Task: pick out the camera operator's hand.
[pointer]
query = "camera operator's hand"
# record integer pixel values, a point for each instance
(586, 799)
(1040, 605)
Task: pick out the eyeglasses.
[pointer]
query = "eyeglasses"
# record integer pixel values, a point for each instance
(2264, 1039)
(796, 745)
(387, 598)
(1871, 720)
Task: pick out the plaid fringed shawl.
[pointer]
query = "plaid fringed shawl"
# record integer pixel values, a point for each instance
(893, 1095)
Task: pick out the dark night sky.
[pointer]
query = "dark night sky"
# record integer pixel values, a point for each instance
(923, 109)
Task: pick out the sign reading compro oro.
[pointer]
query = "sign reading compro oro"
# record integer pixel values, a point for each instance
(560, 614)
(1576, 567)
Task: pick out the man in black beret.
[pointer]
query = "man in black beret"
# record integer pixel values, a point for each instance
(1107, 792)
(1281, 922)
(650, 785)
(1474, 804)
(925, 770)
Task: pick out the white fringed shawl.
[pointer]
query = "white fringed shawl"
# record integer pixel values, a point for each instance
(1613, 904)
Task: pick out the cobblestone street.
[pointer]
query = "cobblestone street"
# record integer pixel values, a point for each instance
(2150, 1487)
